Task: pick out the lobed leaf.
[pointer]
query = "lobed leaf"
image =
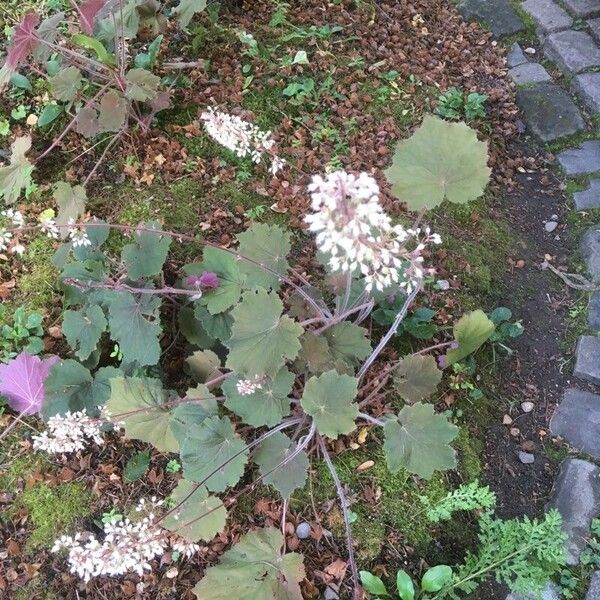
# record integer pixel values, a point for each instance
(204, 365)
(113, 112)
(141, 85)
(261, 338)
(71, 202)
(348, 343)
(417, 377)
(329, 400)
(440, 161)
(16, 176)
(186, 9)
(146, 256)
(65, 84)
(86, 122)
(418, 441)
(48, 32)
(83, 329)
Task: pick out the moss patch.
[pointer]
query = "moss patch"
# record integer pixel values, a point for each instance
(54, 511)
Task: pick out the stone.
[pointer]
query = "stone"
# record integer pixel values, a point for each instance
(583, 160)
(550, 226)
(550, 592)
(594, 311)
(499, 15)
(590, 248)
(577, 420)
(583, 8)
(548, 15)
(573, 51)
(594, 25)
(526, 458)
(549, 111)
(576, 495)
(587, 87)
(590, 198)
(529, 73)
(594, 591)
(527, 406)
(587, 359)
(303, 530)
(515, 56)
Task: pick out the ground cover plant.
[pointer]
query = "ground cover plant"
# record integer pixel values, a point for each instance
(222, 353)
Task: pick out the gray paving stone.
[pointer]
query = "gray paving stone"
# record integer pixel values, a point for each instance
(583, 8)
(577, 420)
(587, 359)
(549, 111)
(529, 73)
(515, 56)
(594, 591)
(576, 495)
(572, 51)
(499, 15)
(550, 592)
(548, 15)
(594, 25)
(590, 249)
(587, 87)
(594, 311)
(589, 198)
(581, 161)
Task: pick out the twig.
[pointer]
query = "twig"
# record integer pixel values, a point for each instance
(371, 419)
(177, 66)
(344, 505)
(585, 284)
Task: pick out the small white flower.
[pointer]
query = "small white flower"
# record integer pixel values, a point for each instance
(68, 433)
(17, 249)
(247, 387)
(5, 237)
(16, 217)
(277, 165)
(78, 236)
(49, 228)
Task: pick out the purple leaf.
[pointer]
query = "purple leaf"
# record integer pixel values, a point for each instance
(208, 279)
(24, 40)
(87, 14)
(22, 382)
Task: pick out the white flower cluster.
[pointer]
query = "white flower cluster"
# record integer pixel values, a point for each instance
(50, 228)
(247, 387)
(69, 432)
(15, 216)
(241, 137)
(78, 236)
(6, 237)
(352, 228)
(127, 546)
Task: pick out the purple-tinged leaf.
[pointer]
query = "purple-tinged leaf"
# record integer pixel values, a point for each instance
(22, 382)
(88, 12)
(208, 279)
(86, 122)
(24, 40)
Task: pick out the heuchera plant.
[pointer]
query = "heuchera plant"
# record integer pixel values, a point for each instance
(97, 74)
(279, 363)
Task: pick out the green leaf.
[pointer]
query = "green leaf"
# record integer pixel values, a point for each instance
(86, 122)
(329, 399)
(373, 584)
(436, 578)
(146, 256)
(198, 516)
(231, 280)
(348, 342)
(212, 446)
(418, 441)
(289, 477)
(20, 81)
(90, 43)
(66, 388)
(500, 314)
(471, 332)
(141, 85)
(204, 365)
(261, 338)
(71, 202)
(147, 60)
(65, 85)
(138, 402)
(417, 377)
(217, 326)
(47, 31)
(137, 466)
(405, 585)
(135, 326)
(17, 175)
(113, 111)
(199, 405)
(268, 245)
(315, 353)
(186, 9)
(192, 328)
(49, 114)
(266, 406)
(440, 161)
(83, 329)
(254, 569)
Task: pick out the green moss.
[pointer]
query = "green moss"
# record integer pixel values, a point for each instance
(18, 468)
(35, 590)
(36, 285)
(469, 450)
(54, 511)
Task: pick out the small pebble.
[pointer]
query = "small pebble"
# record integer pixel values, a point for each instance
(303, 531)
(442, 284)
(330, 593)
(529, 50)
(527, 407)
(554, 217)
(550, 226)
(526, 458)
